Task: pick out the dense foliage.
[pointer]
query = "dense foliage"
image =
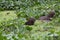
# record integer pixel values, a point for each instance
(12, 22)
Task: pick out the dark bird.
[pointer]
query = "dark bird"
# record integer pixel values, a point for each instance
(30, 21)
(8, 13)
(48, 17)
(51, 14)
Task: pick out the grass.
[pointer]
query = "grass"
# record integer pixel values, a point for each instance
(7, 15)
(39, 31)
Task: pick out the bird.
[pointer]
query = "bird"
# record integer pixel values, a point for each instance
(30, 21)
(8, 13)
(48, 17)
(51, 14)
